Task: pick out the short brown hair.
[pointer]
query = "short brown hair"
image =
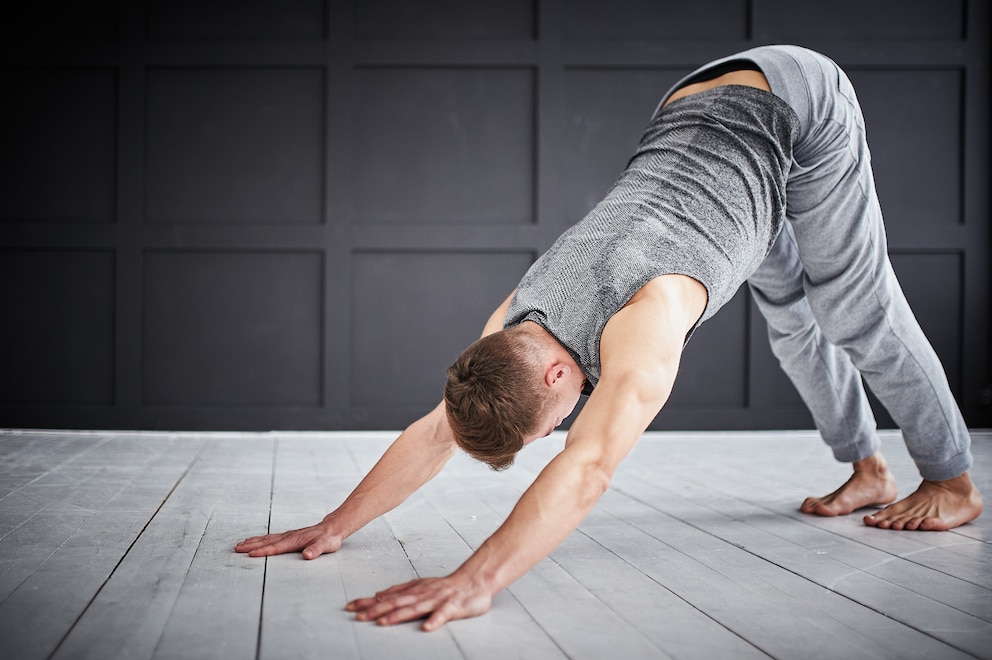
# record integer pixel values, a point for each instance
(494, 395)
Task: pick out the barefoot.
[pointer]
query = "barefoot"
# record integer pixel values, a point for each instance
(871, 485)
(935, 506)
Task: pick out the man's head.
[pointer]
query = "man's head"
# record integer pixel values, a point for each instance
(508, 389)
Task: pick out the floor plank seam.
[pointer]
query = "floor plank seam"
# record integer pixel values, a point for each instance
(53, 469)
(192, 560)
(406, 555)
(611, 608)
(50, 555)
(537, 622)
(668, 589)
(49, 451)
(130, 547)
(265, 560)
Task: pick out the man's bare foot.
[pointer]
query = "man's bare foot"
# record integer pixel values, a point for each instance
(871, 485)
(935, 506)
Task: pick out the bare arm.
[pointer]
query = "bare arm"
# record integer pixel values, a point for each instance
(414, 458)
(640, 350)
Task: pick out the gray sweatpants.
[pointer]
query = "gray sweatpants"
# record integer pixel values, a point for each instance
(834, 308)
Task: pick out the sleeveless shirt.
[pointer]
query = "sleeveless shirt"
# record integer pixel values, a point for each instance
(703, 196)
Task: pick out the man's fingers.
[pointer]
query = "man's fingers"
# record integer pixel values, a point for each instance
(255, 539)
(277, 547)
(440, 617)
(399, 587)
(436, 599)
(360, 604)
(254, 544)
(251, 543)
(415, 611)
(312, 541)
(375, 609)
(264, 551)
(321, 545)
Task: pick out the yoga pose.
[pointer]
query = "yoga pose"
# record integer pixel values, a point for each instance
(753, 169)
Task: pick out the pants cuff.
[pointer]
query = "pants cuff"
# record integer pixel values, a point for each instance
(955, 467)
(858, 450)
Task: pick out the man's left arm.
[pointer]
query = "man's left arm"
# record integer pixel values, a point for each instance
(640, 351)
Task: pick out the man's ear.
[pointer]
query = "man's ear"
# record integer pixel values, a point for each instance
(556, 372)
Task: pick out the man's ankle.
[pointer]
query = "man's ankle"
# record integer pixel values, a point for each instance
(874, 464)
(960, 484)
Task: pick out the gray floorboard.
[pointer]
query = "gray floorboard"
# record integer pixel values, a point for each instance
(117, 545)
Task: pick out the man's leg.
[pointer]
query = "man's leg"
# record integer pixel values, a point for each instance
(825, 379)
(859, 306)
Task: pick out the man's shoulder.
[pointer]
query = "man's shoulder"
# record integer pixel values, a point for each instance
(671, 289)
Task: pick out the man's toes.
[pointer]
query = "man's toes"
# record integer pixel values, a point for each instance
(829, 510)
(913, 524)
(818, 506)
(933, 525)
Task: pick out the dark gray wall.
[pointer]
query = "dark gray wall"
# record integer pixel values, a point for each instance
(248, 215)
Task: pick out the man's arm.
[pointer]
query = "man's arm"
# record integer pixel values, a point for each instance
(640, 352)
(413, 459)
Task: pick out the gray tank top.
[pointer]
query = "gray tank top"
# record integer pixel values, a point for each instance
(703, 196)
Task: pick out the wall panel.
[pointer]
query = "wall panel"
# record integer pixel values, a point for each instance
(713, 372)
(234, 146)
(444, 146)
(32, 22)
(934, 288)
(222, 20)
(445, 19)
(856, 20)
(57, 333)
(916, 146)
(56, 165)
(649, 20)
(231, 329)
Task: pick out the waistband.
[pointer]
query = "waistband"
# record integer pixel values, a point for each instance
(790, 70)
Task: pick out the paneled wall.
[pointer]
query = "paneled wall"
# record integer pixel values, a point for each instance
(293, 215)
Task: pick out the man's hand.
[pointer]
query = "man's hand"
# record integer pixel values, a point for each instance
(313, 541)
(439, 599)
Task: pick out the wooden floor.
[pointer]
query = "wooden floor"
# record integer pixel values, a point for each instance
(120, 546)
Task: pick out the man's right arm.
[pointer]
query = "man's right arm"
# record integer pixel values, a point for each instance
(413, 459)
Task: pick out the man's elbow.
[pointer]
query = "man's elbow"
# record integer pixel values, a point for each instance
(592, 468)
(596, 479)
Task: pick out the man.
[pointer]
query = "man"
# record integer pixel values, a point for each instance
(737, 148)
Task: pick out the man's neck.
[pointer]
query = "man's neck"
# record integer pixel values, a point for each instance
(553, 349)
